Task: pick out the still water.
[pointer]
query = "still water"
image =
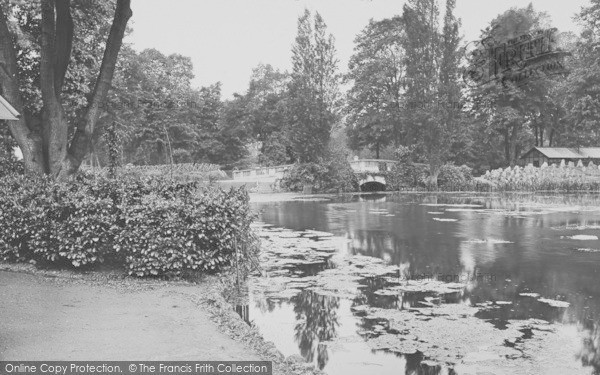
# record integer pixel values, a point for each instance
(432, 284)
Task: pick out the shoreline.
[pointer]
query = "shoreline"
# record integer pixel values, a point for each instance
(120, 308)
(292, 196)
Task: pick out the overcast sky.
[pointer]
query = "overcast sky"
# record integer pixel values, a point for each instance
(227, 38)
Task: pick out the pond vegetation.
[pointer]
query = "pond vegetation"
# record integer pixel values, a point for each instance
(368, 280)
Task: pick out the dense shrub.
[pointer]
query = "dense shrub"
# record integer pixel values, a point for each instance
(327, 176)
(151, 226)
(407, 175)
(410, 175)
(453, 177)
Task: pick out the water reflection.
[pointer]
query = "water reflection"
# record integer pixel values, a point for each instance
(590, 352)
(317, 319)
(520, 243)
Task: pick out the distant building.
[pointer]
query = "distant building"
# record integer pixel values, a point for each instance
(7, 112)
(554, 155)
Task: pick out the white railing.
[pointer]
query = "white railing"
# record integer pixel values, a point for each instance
(372, 165)
(262, 172)
(363, 165)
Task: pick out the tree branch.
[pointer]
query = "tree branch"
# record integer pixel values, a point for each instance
(83, 135)
(47, 52)
(64, 42)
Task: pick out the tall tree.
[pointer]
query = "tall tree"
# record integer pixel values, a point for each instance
(375, 101)
(579, 94)
(267, 109)
(44, 138)
(431, 67)
(449, 127)
(314, 88)
(512, 108)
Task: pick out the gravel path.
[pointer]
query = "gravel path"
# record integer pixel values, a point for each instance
(46, 317)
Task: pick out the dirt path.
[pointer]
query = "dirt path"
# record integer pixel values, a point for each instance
(46, 318)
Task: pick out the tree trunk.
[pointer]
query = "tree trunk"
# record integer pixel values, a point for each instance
(513, 146)
(434, 172)
(45, 148)
(28, 138)
(54, 124)
(506, 145)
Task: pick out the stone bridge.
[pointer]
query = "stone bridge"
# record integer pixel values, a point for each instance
(369, 171)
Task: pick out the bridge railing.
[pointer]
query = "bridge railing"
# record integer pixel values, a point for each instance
(372, 165)
(262, 172)
(363, 165)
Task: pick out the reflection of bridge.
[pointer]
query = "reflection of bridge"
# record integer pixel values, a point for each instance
(369, 171)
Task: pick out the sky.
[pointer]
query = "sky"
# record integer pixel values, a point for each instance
(226, 39)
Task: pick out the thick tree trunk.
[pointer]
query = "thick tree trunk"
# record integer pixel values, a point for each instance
(45, 148)
(28, 138)
(54, 123)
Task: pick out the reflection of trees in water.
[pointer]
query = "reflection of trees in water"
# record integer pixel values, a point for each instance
(266, 304)
(590, 351)
(317, 322)
(425, 253)
(515, 201)
(244, 312)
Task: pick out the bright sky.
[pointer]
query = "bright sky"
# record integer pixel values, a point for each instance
(227, 38)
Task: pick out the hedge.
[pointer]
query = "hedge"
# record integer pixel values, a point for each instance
(149, 226)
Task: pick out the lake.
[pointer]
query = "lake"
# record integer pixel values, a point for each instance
(431, 284)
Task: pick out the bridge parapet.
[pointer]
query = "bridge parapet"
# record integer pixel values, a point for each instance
(275, 172)
(372, 165)
(262, 172)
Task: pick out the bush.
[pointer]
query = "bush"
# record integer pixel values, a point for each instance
(150, 226)
(455, 178)
(415, 175)
(327, 176)
(407, 175)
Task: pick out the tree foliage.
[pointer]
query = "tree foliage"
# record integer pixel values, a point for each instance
(313, 89)
(376, 99)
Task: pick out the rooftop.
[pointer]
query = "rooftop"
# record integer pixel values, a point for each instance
(568, 153)
(7, 112)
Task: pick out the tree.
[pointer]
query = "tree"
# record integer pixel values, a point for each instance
(314, 88)
(431, 62)
(44, 138)
(511, 108)
(154, 105)
(267, 101)
(375, 101)
(579, 94)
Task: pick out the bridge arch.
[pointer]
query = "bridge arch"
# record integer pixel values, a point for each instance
(372, 183)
